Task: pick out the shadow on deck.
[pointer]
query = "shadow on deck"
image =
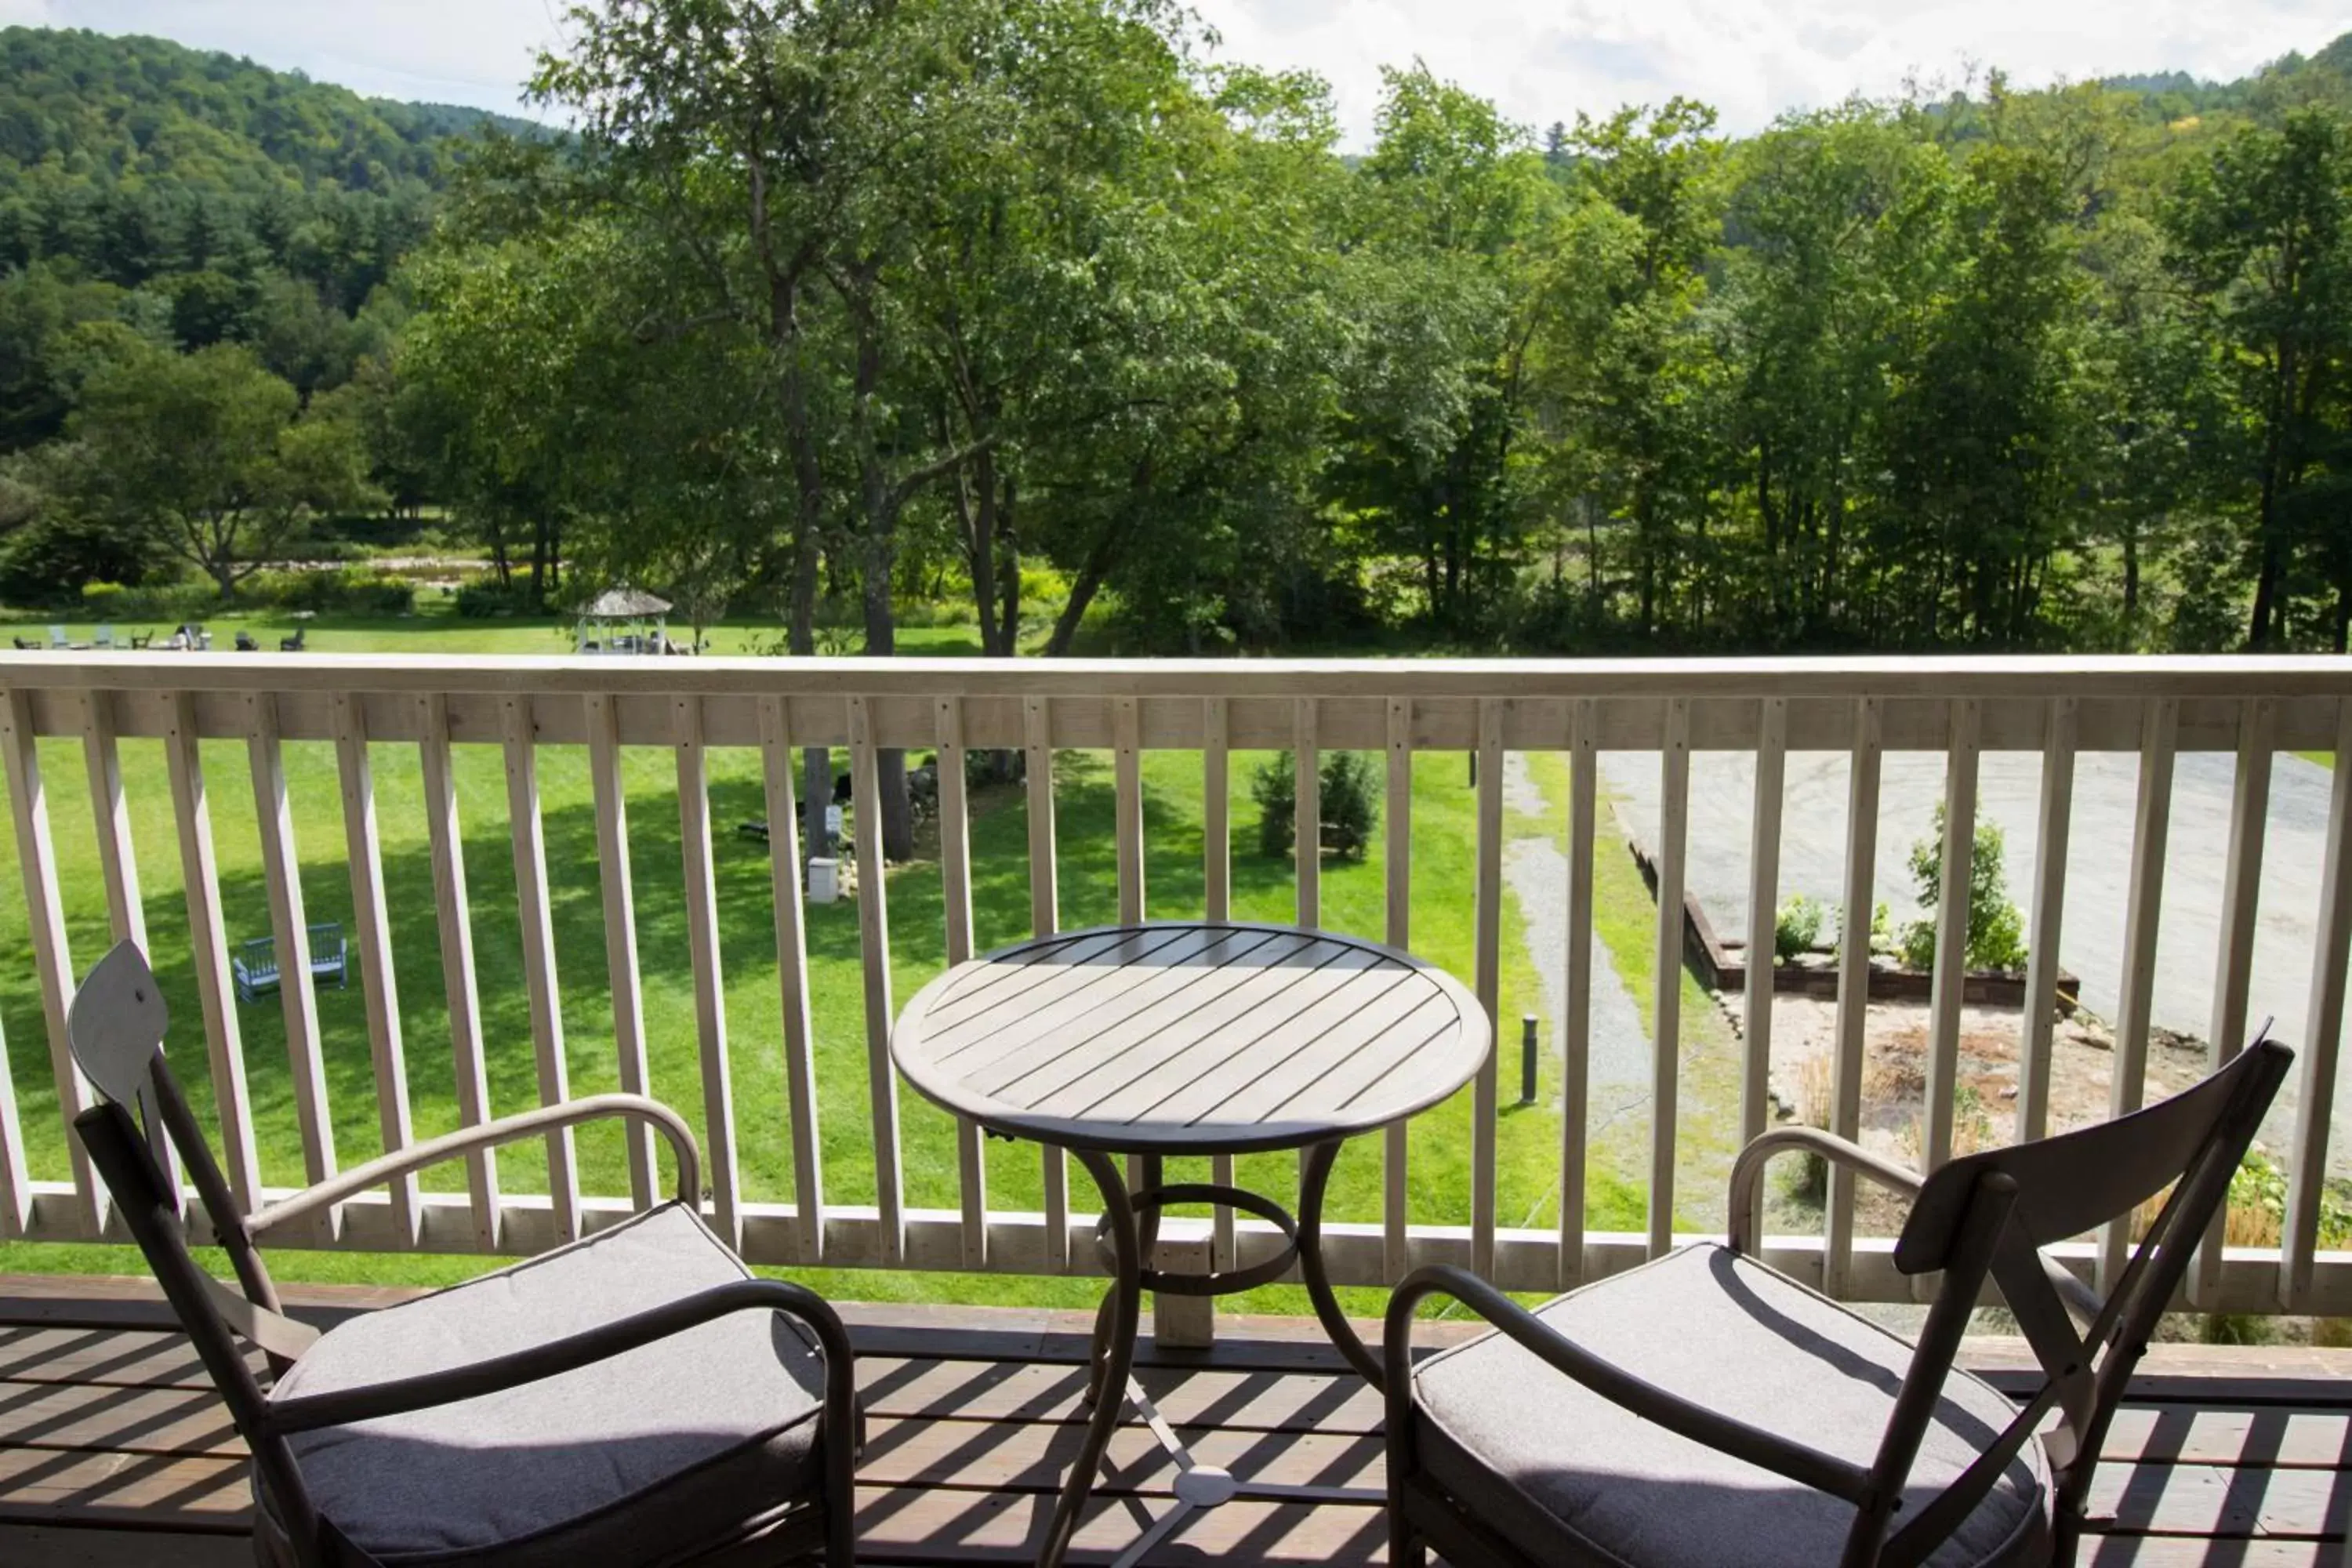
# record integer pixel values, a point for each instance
(114, 1451)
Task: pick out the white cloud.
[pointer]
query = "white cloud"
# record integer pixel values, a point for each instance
(474, 52)
(1750, 58)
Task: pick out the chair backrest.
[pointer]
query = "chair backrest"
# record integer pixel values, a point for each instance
(115, 1030)
(2048, 1191)
(57, 636)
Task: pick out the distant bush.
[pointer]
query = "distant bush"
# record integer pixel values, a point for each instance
(1349, 803)
(102, 603)
(481, 598)
(347, 590)
(1796, 928)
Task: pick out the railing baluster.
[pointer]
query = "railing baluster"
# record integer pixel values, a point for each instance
(1486, 1099)
(363, 851)
(1128, 765)
(2042, 962)
(117, 860)
(119, 866)
(16, 1180)
(719, 1156)
(529, 838)
(1309, 791)
(792, 968)
(874, 944)
(1395, 1216)
(1044, 920)
(1853, 982)
(1949, 979)
(298, 1002)
(1216, 812)
(455, 919)
(52, 961)
(1666, 1040)
(2323, 1034)
(1576, 1023)
(1763, 913)
(613, 876)
(2233, 963)
(208, 942)
(2143, 912)
(1216, 887)
(955, 878)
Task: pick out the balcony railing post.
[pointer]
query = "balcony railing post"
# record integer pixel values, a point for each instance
(1854, 981)
(2234, 963)
(955, 887)
(2143, 911)
(208, 948)
(1666, 1040)
(609, 796)
(528, 840)
(370, 920)
(453, 917)
(1576, 1024)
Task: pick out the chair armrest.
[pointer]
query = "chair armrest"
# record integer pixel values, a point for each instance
(1712, 1429)
(1746, 1217)
(306, 1413)
(505, 1130)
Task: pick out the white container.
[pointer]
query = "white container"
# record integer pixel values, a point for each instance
(824, 882)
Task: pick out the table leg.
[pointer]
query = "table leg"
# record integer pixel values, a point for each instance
(1114, 1331)
(1314, 1180)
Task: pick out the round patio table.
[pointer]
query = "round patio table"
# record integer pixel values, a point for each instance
(1190, 1038)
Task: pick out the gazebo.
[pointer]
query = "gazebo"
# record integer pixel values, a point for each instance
(623, 621)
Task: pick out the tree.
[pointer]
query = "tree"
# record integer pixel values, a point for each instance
(206, 452)
(2259, 234)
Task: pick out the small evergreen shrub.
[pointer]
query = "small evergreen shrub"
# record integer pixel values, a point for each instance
(1996, 937)
(1349, 798)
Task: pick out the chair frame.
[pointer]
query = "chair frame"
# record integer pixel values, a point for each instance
(133, 1164)
(1978, 1220)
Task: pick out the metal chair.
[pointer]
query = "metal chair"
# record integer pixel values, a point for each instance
(636, 1397)
(1705, 1408)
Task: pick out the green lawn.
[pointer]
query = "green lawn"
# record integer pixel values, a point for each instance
(1444, 841)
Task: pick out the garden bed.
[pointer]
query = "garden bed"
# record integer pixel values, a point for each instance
(1721, 963)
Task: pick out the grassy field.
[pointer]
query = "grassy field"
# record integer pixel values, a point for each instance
(1443, 838)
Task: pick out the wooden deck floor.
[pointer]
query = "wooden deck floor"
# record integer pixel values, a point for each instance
(113, 1450)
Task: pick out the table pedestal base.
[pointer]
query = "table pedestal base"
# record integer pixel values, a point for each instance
(1126, 1234)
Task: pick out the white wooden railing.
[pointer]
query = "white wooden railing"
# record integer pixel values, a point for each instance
(1864, 708)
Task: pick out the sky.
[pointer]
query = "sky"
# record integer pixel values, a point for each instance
(1541, 60)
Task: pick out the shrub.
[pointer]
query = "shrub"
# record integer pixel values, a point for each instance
(1276, 789)
(345, 589)
(483, 597)
(1351, 806)
(1350, 801)
(105, 602)
(1796, 928)
(1996, 938)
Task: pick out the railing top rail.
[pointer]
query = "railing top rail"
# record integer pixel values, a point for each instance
(2027, 676)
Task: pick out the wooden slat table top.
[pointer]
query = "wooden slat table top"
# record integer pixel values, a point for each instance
(113, 1452)
(1190, 1037)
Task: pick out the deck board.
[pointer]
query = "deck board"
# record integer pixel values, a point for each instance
(113, 1450)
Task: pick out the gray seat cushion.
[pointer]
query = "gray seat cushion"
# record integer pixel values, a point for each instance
(682, 1444)
(1569, 1478)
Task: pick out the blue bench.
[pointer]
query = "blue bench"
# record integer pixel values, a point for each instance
(255, 964)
